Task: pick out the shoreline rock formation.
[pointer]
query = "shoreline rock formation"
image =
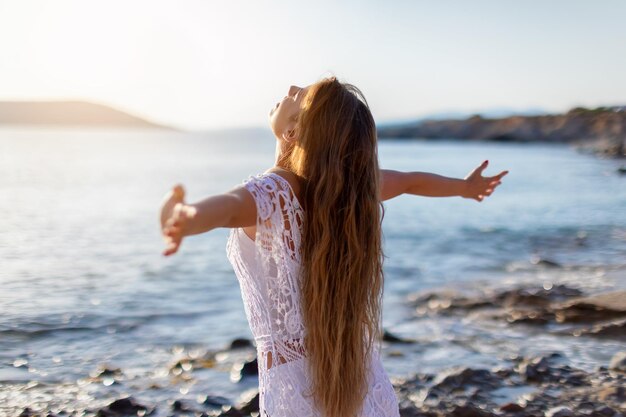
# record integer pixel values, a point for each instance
(601, 130)
(565, 310)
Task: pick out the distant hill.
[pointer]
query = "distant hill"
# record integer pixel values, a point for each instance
(69, 113)
(495, 112)
(601, 130)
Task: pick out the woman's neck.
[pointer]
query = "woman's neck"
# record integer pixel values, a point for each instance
(280, 155)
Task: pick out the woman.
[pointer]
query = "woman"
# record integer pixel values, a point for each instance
(306, 249)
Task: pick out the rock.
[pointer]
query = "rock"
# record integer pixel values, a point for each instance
(618, 362)
(122, 407)
(470, 411)
(106, 371)
(27, 412)
(413, 383)
(539, 369)
(603, 411)
(183, 365)
(228, 411)
(215, 401)
(595, 308)
(108, 376)
(249, 402)
(184, 406)
(457, 378)
(536, 297)
(611, 392)
(412, 411)
(205, 361)
(244, 369)
(389, 337)
(561, 411)
(503, 372)
(528, 317)
(446, 301)
(511, 408)
(240, 343)
(544, 262)
(613, 329)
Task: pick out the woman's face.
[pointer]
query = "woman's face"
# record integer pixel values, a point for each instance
(284, 115)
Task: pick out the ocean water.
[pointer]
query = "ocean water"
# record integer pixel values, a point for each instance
(83, 283)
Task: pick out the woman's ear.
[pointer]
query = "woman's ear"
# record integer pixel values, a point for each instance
(289, 135)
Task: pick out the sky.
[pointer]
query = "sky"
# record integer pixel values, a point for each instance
(203, 64)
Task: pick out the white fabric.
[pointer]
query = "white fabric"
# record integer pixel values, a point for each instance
(267, 271)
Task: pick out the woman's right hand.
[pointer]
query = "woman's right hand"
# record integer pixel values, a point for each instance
(478, 187)
(175, 216)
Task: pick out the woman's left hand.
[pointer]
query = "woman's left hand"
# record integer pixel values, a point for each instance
(479, 187)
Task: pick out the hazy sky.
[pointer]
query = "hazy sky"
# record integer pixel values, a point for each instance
(204, 64)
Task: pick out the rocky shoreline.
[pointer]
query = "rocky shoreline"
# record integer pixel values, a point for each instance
(601, 131)
(549, 386)
(559, 309)
(524, 386)
(535, 386)
(530, 386)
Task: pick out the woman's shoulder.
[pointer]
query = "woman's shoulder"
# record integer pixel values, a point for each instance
(288, 176)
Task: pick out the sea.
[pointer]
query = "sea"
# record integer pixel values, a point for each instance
(84, 285)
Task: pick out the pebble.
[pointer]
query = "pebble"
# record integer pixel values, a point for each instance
(240, 343)
(618, 362)
(122, 407)
(244, 369)
(392, 338)
(559, 412)
(249, 401)
(470, 411)
(511, 408)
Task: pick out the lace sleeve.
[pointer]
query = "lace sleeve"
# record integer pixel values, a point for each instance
(278, 212)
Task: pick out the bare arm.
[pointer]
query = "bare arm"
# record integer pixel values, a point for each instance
(395, 183)
(474, 185)
(235, 208)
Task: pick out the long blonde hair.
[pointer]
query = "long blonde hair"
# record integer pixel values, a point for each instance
(336, 156)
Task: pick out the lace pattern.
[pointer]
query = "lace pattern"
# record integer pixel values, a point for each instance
(267, 271)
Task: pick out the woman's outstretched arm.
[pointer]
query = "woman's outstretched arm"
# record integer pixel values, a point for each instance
(474, 185)
(235, 208)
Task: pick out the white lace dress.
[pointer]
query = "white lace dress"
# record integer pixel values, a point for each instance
(267, 271)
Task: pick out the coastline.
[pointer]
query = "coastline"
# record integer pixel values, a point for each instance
(601, 131)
